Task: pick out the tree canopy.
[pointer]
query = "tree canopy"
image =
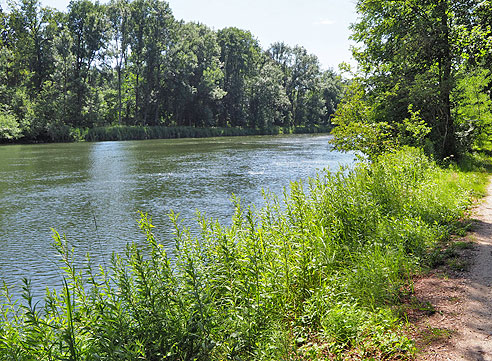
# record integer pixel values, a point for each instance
(416, 59)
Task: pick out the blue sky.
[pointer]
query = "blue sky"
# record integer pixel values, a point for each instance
(321, 26)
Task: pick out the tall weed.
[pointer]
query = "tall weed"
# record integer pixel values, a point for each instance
(309, 275)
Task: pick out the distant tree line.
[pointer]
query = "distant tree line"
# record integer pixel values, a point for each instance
(131, 63)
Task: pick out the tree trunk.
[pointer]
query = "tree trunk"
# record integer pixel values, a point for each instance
(119, 93)
(447, 124)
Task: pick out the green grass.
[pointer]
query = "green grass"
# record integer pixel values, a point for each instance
(310, 276)
(434, 334)
(164, 132)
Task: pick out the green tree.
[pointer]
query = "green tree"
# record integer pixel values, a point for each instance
(119, 19)
(88, 28)
(9, 127)
(410, 54)
(31, 50)
(195, 76)
(138, 15)
(268, 102)
(308, 89)
(151, 35)
(357, 126)
(240, 53)
(472, 107)
(130, 62)
(6, 57)
(34, 29)
(64, 71)
(157, 38)
(331, 87)
(303, 85)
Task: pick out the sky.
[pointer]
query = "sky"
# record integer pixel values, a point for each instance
(320, 26)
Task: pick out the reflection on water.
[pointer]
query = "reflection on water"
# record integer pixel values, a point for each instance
(92, 191)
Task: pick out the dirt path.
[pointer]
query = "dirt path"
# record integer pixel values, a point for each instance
(461, 326)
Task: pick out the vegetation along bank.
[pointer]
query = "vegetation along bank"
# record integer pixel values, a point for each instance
(316, 274)
(132, 64)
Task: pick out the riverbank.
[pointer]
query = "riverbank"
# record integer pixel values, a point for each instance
(142, 133)
(66, 134)
(319, 274)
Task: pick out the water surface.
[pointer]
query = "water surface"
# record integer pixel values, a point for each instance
(92, 191)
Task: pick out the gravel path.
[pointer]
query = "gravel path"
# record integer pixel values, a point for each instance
(475, 337)
(463, 304)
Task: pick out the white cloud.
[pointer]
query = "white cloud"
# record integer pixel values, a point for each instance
(324, 22)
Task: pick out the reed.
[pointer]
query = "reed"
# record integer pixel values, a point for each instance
(113, 133)
(311, 275)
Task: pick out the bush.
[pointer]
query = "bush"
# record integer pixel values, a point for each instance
(9, 128)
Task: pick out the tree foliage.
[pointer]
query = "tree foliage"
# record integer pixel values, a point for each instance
(131, 63)
(413, 57)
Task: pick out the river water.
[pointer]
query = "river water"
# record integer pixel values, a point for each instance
(92, 192)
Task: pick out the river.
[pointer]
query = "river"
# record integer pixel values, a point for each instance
(91, 192)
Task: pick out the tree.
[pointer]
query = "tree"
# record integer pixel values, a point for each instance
(195, 75)
(303, 82)
(157, 39)
(34, 32)
(30, 63)
(5, 57)
(151, 34)
(331, 88)
(473, 106)
(302, 85)
(130, 62)
(411, 52)
(9, 127)
(240, 53)
(119, 18)
(268, 101)
(87, 26)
